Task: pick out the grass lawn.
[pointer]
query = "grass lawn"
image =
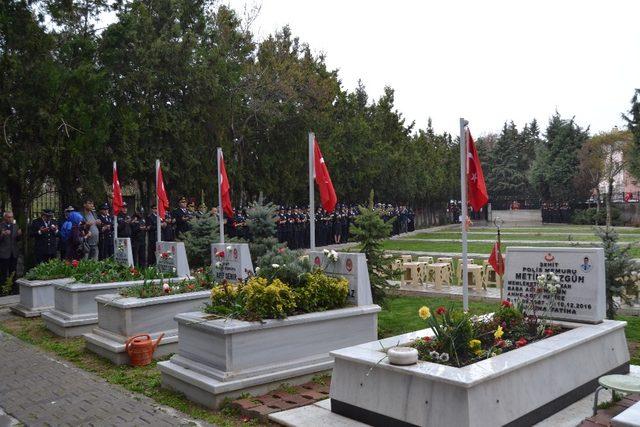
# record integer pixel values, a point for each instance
(479, 248)
(401, 316)
(144, 380)
(558, 229)
(523, 236)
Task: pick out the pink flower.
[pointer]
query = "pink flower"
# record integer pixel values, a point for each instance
(548, 332)
(426, 339)
(166, 288)
(220, 254)
(506, 303)
(521, 342)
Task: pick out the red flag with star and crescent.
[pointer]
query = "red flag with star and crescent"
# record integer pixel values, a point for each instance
(163, 200)
(225, 190)
(328, 196)
(496, 259)
(117, 192)
(477, 189)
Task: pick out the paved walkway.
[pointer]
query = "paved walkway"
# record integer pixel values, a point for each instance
(39, 390)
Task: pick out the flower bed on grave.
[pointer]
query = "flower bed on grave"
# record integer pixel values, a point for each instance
(75, 310)
(278, 326)
(515, 367)
(37, 287)
(147, 308)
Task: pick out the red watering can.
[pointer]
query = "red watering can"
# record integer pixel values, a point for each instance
(140, 349)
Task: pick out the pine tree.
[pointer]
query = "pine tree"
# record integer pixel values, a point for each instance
(633, 122)
(261, 224)
(370, 230)
(197, 241)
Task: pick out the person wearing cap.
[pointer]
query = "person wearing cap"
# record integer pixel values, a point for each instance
(124, 221)
(139, 230)
(182, 216)
(45, 232)
(152, 233)
(106, 232)
(91, 232)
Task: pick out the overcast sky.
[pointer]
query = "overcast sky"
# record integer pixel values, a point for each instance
(488, 61)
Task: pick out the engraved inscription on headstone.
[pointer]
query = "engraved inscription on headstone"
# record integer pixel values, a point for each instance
(581, 297)
(171, 257)
(235, 261)
(122, 252)
(351, 266)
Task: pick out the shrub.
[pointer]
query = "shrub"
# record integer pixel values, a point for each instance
(197, 241)
(108, 271)
(274, 300)
(202, 281)
(261, 227)
(591, 216)
(322, 292)
(291, 267)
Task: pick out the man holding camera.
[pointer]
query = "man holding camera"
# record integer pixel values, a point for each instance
(45, 233)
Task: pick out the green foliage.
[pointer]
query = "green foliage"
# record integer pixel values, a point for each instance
(53, 269)
(201, 281)
(557, 162)
(591, 216)
(322, 292)
(618, 268)
(268, 300)
(369, 231)
(261, 224)
(197, 241)
(633, 123)
(280, 262)
(108, 271)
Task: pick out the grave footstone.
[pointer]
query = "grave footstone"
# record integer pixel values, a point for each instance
(236, 262)
(122, 251)
(353, 267)
(581, 297)
(171, 257)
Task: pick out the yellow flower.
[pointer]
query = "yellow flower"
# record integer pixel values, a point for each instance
(474, 344)
(424, 312)
(479, 352)
(498, 333)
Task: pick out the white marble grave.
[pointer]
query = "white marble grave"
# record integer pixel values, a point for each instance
(122, 317)
(581, 272)
(520, 387)
(36, 296)
(236, 262)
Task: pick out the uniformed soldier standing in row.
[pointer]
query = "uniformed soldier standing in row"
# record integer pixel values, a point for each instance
(124, 222)
(45, 232)
(139, 230)
(152, 233)
(106, 233)
(182, 215)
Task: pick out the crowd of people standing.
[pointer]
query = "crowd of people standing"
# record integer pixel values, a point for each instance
(88, 232)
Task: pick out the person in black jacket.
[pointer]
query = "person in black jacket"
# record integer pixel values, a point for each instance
(106, 233)
(182, 215)
(124, 222)
(45, 233)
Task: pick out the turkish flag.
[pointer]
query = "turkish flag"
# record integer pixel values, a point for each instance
(477, 189)
(117, 192)
(225, 190)
(496, 259)
(328, 196)
(163, 200)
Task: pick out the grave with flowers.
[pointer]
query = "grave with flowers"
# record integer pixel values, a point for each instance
(543, 349)
(277, 326)
(75, 311)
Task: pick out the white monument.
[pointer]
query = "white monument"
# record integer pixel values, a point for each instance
(581, 297)
(171, 257)
(235, 261)
(351, 266)
(122, 251)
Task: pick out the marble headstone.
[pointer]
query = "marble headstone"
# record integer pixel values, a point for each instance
(172, 257)
(236, 262)
(122, 251)
(351, 266)
(581, 297)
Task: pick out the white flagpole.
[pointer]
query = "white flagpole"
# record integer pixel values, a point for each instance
(463, 188)
(220, 211)
(312, 209)
(158, 219)
(115, 217)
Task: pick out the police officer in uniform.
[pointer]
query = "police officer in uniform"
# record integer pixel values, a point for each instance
(124, 222)
(152, 233)
(139, 230)
(106, 233)
(45, 232)
(181, 216)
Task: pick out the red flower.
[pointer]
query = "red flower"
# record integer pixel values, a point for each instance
(506, 303)
(426, 339)
(74, 263)
(521, 343)
(500, 343)
(548, 332)
(220, 254)
(441, 310)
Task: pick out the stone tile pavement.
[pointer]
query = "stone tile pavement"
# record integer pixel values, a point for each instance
(40, 390)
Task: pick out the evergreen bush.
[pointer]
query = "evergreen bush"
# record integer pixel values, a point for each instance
(261, 227)
(197, 241)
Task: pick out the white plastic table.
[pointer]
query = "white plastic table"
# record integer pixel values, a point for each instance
(620, 383)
